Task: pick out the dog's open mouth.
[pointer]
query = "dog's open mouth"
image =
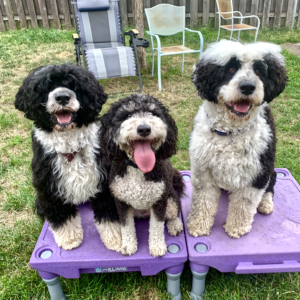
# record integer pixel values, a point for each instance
(64, 117)
(143, 155)
(240, 108)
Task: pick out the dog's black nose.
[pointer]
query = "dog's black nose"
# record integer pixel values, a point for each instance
(62, 98)
(247, 88)
(144, 130)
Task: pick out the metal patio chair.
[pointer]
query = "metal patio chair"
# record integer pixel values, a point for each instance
(165, 20)
(225, 11)
(100, 40)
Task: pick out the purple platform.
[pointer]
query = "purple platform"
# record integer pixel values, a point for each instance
(273, 244)
(93, 257)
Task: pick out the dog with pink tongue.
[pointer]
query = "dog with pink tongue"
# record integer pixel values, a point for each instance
(139, 136)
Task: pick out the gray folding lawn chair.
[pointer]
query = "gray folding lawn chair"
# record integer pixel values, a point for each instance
(100, 40)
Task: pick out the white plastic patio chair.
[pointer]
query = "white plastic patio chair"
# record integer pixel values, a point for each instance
(166, 19)
(226, 12)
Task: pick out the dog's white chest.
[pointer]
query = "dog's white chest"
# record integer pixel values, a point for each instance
(135, 190)
(79, 179)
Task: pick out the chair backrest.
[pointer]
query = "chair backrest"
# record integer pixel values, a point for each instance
(166, 19)
(225, 6)
(98, 21)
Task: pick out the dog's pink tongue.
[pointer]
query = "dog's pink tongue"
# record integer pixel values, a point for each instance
(64, 117)
(241, 107)
(144, 156)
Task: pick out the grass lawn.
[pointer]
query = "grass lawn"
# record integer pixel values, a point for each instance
(21, 51)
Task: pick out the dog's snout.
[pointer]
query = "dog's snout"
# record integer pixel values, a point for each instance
(144, 130)
(247, 88)
(62, 98)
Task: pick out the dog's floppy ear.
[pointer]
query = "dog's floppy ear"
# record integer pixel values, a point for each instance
(107, 132)
(206, 78)
(169, 147)
(277, 78)
(24, 97)
(91, 92)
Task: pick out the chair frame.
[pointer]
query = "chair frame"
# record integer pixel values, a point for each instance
(160, 53)
(132, 34)
(232, 17)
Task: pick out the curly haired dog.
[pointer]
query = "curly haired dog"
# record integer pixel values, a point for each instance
(233, 142)
(139, 136)
(68, 166)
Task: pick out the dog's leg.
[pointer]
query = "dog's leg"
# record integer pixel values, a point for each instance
(157, 244)
(205, 201)
(70, 234)
(174, 224)
(242, 208)
(266, 205)
(129, 240)
(107, 220)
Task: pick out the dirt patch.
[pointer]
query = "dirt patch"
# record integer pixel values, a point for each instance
(293, 48)
(8, 219)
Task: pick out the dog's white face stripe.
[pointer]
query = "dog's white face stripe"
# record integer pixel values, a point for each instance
(53, 106)
(128, 131)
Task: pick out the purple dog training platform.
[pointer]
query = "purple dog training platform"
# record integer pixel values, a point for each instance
(273, 244)
(93, 257)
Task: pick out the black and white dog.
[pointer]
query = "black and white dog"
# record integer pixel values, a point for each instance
(233, 142)
(68, 165)
(139, 136)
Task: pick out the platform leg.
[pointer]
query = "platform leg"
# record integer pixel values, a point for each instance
(54, 288)
(174, 285)
(198, 286)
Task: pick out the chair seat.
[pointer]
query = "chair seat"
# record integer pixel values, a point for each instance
(238, 26)
(175, 49)
(111, 62)
(89, 46)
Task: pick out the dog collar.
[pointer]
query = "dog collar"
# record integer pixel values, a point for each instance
(69, 156)
(130, 163)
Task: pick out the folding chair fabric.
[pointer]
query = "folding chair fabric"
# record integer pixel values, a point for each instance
(111, 62)
(100, 26)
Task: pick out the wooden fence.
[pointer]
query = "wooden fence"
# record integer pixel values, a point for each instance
(16, 14)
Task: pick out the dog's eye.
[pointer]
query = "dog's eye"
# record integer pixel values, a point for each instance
(232, 70)
(256, 72)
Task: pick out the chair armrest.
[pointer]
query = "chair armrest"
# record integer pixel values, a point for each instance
(135, 41)
(76, 38)
(201, 39)
(253, 16)
(157, 39)
(132, 32)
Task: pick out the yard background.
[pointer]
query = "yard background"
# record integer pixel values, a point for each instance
(58, 13)
(23, 50)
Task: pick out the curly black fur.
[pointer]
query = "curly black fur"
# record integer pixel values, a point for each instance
(33, 94)
(31, 99)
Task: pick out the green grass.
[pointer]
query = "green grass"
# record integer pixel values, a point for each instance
(22, 50)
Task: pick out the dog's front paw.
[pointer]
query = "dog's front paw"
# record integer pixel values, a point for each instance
(174, 226)
(128, 248)
(110, 233)
(69, 236)
(266, 205)
(198, 228)
(236, 232)
(158, 249)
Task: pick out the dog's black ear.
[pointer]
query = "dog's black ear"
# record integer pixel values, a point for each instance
(91, 92)
(107, 133)
(277, 78)
(169, 147)
(206, 77)
(25, 97)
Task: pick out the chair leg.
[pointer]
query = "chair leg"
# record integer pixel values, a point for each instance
(152, 62)
(218, 33)
(159, 71)
(239, 35)
(231, 35)
(182, 63)
(256, 35)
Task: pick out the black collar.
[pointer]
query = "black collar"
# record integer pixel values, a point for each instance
(130, 163)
